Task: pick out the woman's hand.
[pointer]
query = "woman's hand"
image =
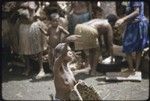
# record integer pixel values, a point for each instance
(119, 22)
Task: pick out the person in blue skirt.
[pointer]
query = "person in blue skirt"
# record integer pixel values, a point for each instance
(135, 37)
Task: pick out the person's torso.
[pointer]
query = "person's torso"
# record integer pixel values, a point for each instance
(54, 37)
(64, 82)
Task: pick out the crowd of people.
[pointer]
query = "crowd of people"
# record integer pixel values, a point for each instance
(31, 28)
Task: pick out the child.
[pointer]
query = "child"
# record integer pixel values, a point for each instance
(30, 39)
(136, 34)
(54, 33)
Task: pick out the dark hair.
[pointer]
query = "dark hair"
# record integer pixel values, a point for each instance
(112, 18)
(59, 49)
(54, 16)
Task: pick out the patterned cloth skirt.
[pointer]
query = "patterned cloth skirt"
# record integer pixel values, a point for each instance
(136, 38)
(88, 38)
(31, 40)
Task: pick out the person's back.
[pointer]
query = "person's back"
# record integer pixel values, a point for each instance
(97, 21)
(100, 24)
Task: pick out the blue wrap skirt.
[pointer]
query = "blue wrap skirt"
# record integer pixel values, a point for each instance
(136, 36)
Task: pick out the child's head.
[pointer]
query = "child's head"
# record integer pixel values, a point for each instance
(54, 17)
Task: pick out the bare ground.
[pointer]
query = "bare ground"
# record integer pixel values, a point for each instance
(18, 87)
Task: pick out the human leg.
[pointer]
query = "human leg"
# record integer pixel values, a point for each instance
(138, 60)
(109, 41)
(93, 61)
(27, 65)
(130, 61)
(51, 58)
(40, 60)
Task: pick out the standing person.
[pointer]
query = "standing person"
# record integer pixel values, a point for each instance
(55, 32)
(31, 40)
(135, 37)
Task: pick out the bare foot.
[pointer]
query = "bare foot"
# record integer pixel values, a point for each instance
(40, 75)
(129, 71)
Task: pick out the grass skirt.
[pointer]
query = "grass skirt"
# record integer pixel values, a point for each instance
(88, 38)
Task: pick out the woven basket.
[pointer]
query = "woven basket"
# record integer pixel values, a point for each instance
(82, 91)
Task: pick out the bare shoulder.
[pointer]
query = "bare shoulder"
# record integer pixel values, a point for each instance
(105, 23)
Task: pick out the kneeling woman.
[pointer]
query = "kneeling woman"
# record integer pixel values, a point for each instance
(63, 77)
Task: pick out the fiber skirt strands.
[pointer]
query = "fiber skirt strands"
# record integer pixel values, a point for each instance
(83, 92)
(88, 38)
(31, 39)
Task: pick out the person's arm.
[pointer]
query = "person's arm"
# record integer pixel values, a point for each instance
(69, 37)
(134, 14)
(44, 31)
(24, 5)
(64, 30)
